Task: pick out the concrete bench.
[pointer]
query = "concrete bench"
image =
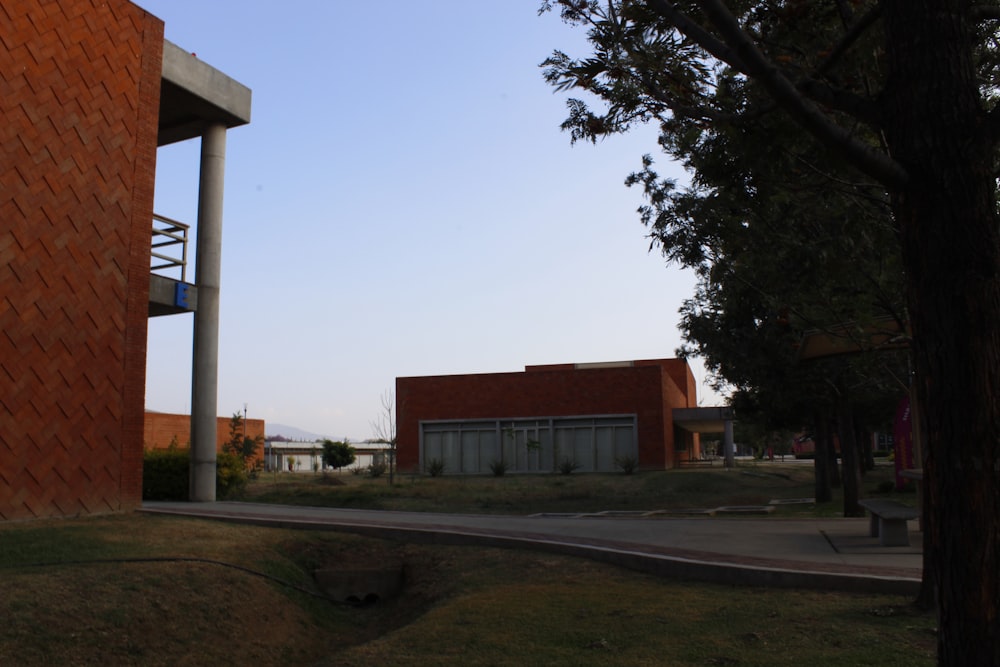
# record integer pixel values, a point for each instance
(888, 521)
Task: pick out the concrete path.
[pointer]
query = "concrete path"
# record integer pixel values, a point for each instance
(835, 554)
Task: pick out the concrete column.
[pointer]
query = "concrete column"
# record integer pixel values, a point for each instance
(208, 267)
(727, 442)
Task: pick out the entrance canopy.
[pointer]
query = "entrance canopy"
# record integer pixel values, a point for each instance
(703, 420)
(709, 420)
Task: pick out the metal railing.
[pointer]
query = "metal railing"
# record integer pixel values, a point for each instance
(166, 233)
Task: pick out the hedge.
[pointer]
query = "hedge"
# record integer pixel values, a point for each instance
(165, 474)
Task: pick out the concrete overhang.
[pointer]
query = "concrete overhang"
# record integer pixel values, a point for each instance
(171, 297)
(193, 94)
(702, 420)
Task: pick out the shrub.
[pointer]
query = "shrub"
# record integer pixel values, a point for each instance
(499, 468)
(230, 475)
(377, 469)
(166, 474)
(435, 467)
(567, 466)
(628, 464)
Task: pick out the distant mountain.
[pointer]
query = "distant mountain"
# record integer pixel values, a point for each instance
(291, 432)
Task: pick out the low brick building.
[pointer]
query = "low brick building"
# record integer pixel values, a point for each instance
(591, 416)
(161, 429)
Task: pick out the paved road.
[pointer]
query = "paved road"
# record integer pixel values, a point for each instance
(827, 554)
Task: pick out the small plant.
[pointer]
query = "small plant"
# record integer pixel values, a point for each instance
(628, 464)
(498, 468)
(377, 469)
(357, 470)
(435, 467)
(568, 466)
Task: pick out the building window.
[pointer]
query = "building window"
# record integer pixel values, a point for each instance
(594, 444)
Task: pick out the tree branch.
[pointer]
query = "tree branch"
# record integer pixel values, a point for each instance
(985, 13)
(852, 35)
(736, 49)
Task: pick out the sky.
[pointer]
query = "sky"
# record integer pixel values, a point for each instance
(404, 203)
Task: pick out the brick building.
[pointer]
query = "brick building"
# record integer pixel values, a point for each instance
(160, 429)
(88, 90)
(591, 415)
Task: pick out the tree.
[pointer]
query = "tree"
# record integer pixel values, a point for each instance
(384, 429)
(239, 444)
(338, 454)
(925, 127)
(766, 223)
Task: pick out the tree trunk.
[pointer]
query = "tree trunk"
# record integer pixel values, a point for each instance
(867, 449)
(832, 453)
(927, 597)
(851, 470)
(950, 232)
(821, 458)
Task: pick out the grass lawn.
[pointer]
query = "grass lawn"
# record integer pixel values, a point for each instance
(148, 590)
(750, 483)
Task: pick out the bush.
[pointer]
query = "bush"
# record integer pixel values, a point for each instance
(377, 469)
(166, 474)
(567, 466)
(628, 464)
(435, 467)
(230, 476)
(499, 468)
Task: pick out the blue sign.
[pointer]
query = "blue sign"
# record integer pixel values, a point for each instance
(181, 295)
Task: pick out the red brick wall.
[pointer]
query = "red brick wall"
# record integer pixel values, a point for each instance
(644, 389)
(161, 428)
(79, 100)
(674, 396)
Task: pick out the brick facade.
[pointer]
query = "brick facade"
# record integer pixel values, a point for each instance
(161, 428)
(79, 99)
(647, 389)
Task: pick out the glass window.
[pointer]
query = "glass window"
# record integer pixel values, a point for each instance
(530, 445)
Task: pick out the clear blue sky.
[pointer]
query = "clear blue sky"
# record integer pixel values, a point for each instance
(404, 203)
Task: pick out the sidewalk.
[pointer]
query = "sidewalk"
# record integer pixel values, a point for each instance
(833, 554)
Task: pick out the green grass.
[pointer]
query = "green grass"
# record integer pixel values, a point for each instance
(627, 621)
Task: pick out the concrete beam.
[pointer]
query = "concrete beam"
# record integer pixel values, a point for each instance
(171, 297)
(193, 95)
(702, 420)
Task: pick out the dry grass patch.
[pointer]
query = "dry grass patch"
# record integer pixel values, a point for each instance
(88, 591)
(529, 494)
